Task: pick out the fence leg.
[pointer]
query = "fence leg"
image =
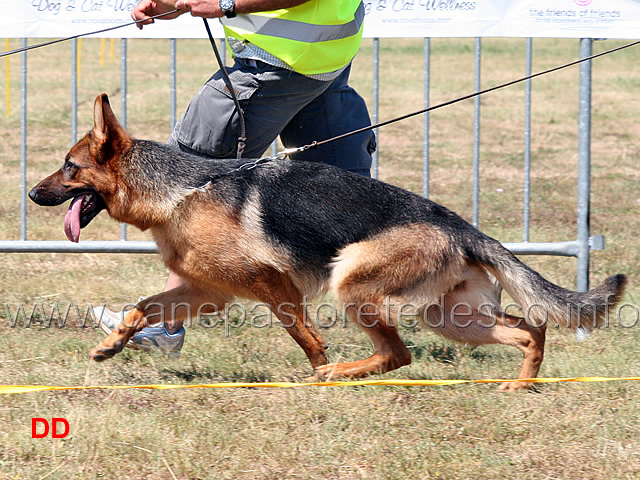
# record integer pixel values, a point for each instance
(173, 73)
(425, 133)
(74, 91)
(526, 216)
(376, 103)
(123, 114)
(476, 137)
(584, 166)
(23, 144)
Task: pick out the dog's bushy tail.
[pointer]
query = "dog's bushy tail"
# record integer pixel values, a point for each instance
(544, 303)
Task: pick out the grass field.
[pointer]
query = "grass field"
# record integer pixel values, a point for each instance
(579, 430)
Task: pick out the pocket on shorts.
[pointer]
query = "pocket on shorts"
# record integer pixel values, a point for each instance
(210, 125)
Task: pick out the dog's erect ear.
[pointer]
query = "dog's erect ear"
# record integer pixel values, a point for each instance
(103, 118)
(108, 138)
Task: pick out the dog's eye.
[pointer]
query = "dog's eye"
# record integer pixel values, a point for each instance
(68, 166)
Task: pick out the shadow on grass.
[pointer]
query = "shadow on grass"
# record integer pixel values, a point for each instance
(194, 374)
(448, 354)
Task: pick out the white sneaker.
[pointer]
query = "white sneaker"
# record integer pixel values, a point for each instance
(158, 338)
(108, 320)
(147, 339)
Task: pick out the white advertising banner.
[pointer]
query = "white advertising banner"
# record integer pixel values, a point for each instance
(504, 18)
(65, 18)
(385, 18)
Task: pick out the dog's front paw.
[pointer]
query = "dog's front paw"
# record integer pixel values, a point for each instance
(101, 352)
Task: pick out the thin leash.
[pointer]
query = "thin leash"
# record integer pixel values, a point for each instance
(60, 40)
(316, 144)
(242, 168)
(232, 92)
(290, 151)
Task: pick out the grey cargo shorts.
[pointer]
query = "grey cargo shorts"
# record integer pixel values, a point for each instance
(277, 101)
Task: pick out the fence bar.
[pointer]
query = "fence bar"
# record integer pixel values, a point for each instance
(526, 214)
(584, 166)
(63, 246)
(23, 143)
(376, 103)
(476, 137)
(74, 91)
(123, 82)
(566, 249)
(123, 113)
(174, 83)
(425, 132)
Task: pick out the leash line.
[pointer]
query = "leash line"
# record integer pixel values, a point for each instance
(60, 40)
(464, 97)
(232, 92)
(15, 389)
(244, 167)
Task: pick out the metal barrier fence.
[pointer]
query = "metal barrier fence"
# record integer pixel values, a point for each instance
(579, 247)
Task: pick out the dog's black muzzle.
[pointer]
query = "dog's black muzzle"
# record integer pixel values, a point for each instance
(46, 198)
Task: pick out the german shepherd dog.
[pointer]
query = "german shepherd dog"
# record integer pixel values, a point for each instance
(286, 231)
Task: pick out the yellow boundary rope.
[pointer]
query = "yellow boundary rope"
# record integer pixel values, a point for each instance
(13, 389)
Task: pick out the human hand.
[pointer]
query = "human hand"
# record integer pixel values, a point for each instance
(201, 8)
(149, 8)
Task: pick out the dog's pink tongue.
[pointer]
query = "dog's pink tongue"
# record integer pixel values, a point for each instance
(72, 219)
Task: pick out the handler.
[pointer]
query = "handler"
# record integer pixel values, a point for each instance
(291, 71)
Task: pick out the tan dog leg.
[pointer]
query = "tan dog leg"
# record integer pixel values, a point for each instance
(174, 305)
(286, 303)
(475, 328)
(529, 340)
(390, 352)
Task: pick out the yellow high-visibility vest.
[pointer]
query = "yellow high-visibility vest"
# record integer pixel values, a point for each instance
(318, 36)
